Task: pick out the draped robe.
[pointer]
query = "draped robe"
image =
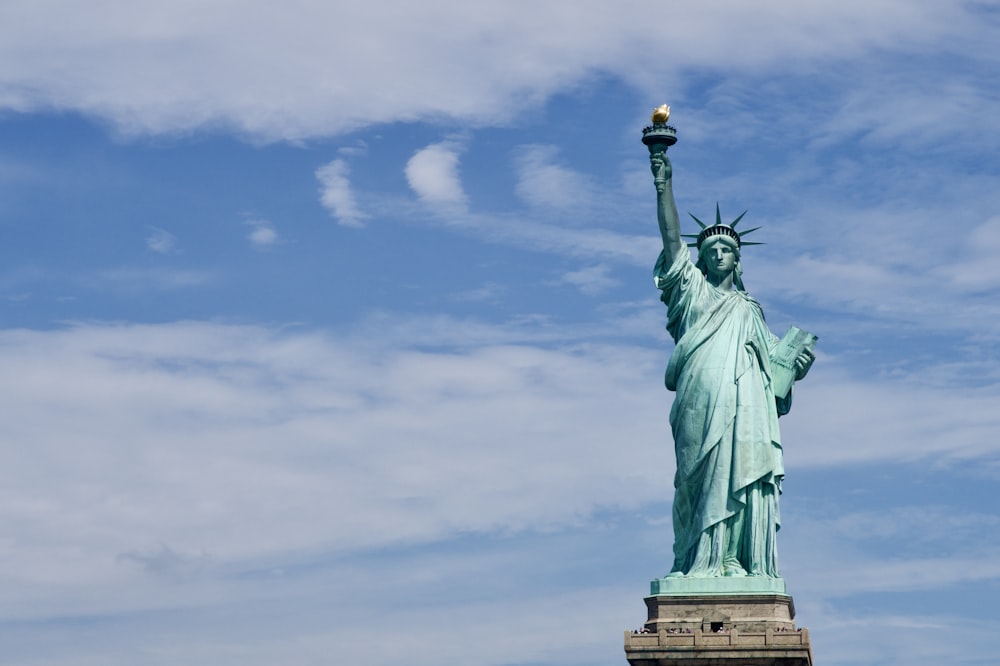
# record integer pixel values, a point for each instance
(724, 421)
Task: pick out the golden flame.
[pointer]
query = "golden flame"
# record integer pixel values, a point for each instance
(661, 114)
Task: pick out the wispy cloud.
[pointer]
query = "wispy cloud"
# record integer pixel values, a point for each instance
(543, 182)
(231, 436)
(367, 421)
(196, 411)
(919, 420)
(161, 241)
(976, 268)
(262, 234)
(336, 194)
(923, 523)
(489, 292)
(590, 280)
(481, 66)
(165, 561)
(358, 149)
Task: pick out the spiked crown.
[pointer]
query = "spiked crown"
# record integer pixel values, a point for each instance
(720, 229)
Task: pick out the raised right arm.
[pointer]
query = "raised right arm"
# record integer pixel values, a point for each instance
(666, 209)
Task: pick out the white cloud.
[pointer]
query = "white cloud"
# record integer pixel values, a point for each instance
(205, 463)
(161, 240)
(893, 107)
(327, 68)
(488, 293)
(976, 269)
(432, 173)
(590, 280)
(358, 149)
(903, 418)
(922, 546)
(535, 234)
(336, 195)
(843, 634)
(262, 235)
(254, 427)
(164, 561)
(541, 182)
(916, 524)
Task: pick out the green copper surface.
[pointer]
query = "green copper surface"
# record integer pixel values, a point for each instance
(724, 418)
(688, 586)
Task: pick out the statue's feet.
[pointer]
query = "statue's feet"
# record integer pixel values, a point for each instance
(675, 574)
(733, 569)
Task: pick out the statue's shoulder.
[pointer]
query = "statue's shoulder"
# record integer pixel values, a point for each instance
(669, 271)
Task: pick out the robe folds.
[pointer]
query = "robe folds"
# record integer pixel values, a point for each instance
(724, 421)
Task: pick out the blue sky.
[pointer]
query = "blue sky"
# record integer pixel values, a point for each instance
(329, 331)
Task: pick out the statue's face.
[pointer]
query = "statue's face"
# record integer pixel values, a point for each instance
(719, 255)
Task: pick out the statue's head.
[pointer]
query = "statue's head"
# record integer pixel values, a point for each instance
(718, 256)
(719, 247)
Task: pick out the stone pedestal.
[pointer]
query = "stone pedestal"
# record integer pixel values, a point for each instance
(719, 630)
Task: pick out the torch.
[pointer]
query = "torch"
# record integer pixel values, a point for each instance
(658, 137)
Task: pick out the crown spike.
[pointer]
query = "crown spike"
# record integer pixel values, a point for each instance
(718, 215)
(700, 223)
(748, 231)
(737, 220)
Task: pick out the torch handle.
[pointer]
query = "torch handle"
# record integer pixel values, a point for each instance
(660, 176)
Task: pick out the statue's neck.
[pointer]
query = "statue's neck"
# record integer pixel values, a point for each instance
(723, 282)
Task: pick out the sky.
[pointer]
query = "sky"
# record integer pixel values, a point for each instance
(329, 333)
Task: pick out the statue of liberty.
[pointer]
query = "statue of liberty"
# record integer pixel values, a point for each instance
(725, 413)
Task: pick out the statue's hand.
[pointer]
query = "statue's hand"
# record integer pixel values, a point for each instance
(803, 362)
(659, 163)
